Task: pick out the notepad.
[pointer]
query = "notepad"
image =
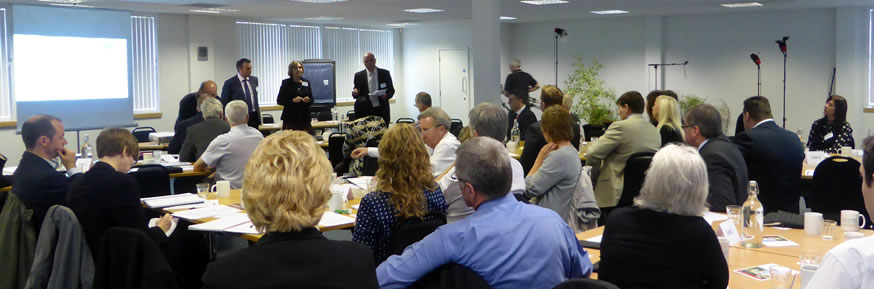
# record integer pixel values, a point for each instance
(361, 182)
(331, 219)
(206, 212)
(172, 200)
(222, 224)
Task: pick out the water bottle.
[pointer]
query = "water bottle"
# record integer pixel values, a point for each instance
(85, 151)
(753, 218)
(334, 113)
(515, 133)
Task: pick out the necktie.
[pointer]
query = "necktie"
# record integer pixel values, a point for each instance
(248, 95)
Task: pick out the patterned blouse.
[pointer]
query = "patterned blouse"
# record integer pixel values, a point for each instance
(359, 132)
(825, 137)
(377, 216)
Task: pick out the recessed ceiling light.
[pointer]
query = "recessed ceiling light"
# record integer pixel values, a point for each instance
(423, 10)
(608, 12)
(508, 18)
(214, 10)
(403, 24)
(543, 2)
(323, 18)
(318, 1)
(742, 5)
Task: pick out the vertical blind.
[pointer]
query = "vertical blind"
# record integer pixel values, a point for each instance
(271, 47)
(5, 95)
(144, 44)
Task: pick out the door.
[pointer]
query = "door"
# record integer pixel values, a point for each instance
(454, 83)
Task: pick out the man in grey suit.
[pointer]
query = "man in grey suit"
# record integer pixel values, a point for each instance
(607, 156)
(726, 169)
(199, 136)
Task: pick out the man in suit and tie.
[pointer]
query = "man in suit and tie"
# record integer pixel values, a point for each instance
(726, 169)
(199, 136)
(189, 104)
(37, 181)
(374, 85)
(520, 112)
(244, 86)
(534, 140)
(607, 156)
(773, 155)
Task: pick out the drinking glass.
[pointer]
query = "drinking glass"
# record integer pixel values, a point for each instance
(828, 228)
(202, 190)
(780, 277)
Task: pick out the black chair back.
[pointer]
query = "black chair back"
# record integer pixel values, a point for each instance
(455, 126)
(836, 187)
(267, 118)
(371, 165)
(142, 133)
(451, 276)
(350, 115)
(635, 171)
(585, 283)
(128, 258)
(405, 120)
(154, 180)
(590, 130)
(407, 231)
(335, 148)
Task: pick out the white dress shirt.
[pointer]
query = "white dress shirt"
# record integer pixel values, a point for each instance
(230, 151)
(850, 265)
(441, 158)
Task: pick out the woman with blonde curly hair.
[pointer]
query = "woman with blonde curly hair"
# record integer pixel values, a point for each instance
(404, 189)
(285, 189)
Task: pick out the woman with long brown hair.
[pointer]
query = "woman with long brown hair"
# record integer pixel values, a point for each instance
(404, 189)
(832, 131)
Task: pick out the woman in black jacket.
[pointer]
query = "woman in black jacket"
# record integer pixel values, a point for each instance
(296, 97)
(832, 131)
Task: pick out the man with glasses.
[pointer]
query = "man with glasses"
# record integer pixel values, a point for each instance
(508, 243)
(726, 169)
(434, 126)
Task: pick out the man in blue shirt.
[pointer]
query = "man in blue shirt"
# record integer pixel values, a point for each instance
(508, 243)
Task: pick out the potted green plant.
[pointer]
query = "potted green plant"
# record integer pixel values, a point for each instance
(594, 103)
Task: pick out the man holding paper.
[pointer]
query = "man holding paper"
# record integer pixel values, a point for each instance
(374, 85)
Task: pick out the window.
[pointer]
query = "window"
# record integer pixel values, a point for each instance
(144, 44)
(870, 103)
(5, 95)
(272, 46)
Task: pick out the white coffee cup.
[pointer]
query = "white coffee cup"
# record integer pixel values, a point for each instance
(724, 244)
(807, 272)
(846, 151)
(812, 223)
(223, 188)
(850, 220)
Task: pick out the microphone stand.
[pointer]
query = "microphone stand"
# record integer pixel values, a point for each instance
(655, 66)
(556, 58)
(784, 88)
(759, 87)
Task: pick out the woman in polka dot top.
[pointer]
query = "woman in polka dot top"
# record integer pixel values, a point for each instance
(404, 189)
(832, 131)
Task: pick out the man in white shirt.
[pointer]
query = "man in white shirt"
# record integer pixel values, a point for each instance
(487, 120)
(434, 126)
(851, 264)
(229, 152)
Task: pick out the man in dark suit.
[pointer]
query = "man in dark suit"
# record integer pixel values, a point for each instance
(36, 180)
(369, 82)
(519, 112)
(181, 128)
(199, 136)
(534, 140)
(773, 155)
(243, 86)
(189, 104)
(726, 169)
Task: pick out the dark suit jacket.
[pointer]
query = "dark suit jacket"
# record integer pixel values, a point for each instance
(385, 82)
(39, 186)
(295, 260)
(298, 113)
(526, 118)
(726, 172)
(233, 90)
(774, 158)
(187, 107)
(198, 137)
(180, 131)
(534, 141)
(103, 198)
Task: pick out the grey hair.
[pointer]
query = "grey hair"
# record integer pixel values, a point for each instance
(706, 118)
(676, 182)
(516, 62)
(440, 116)
(423, 98)
(484, 163)
(211, 108)
(490, 120)
(236, 112)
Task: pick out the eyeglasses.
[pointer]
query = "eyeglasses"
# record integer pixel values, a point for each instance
(424, 130)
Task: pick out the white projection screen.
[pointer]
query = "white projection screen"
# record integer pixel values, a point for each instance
(73, 64)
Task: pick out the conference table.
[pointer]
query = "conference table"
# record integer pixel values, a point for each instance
(741, 257)
(150, 146)
(270, 127)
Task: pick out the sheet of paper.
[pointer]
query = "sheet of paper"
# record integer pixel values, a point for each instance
(595, 239)
(777, 241)
(220, 224)
(760, 272)
(154, 222)
(356, 206)
(361, 182)
(169, 158)
(206, 203)
(244, 228)
(187, 168)
(205, 212)
(330, 219)
(815, 157)
(711, 217)
(729, 230)
(808, 173)
(172, 200)
(341, 189)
